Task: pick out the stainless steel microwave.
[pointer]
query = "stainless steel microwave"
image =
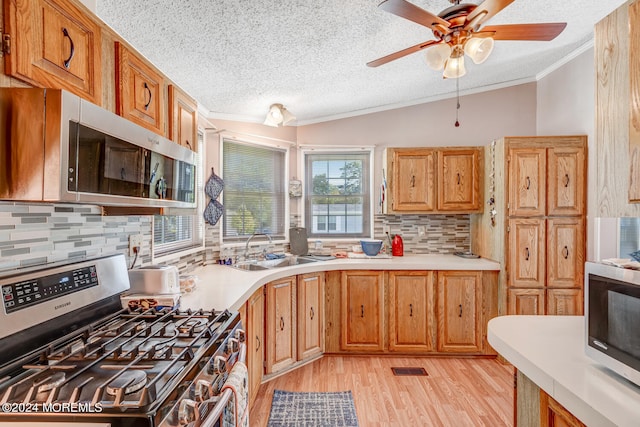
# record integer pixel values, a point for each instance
(59, 147)
(612, 316)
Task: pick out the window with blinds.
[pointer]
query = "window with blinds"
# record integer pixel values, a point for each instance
(338, 203)
(254, 194)
(175, 233)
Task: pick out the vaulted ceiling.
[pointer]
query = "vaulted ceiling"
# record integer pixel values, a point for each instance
(237, 57)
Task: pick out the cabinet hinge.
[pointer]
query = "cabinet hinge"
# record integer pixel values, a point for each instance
(508, 228)
(6, 44)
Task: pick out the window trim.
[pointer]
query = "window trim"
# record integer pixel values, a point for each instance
(304, 150)
(286, 147)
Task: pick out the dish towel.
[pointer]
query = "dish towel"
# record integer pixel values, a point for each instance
(238, 383)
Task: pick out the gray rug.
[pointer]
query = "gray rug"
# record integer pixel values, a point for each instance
(293, 409)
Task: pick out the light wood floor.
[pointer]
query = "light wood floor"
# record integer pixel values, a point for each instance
(457, 392)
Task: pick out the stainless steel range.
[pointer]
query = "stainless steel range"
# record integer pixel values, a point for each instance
(69, 353)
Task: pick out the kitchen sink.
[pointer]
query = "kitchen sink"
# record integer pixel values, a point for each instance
(272, 263)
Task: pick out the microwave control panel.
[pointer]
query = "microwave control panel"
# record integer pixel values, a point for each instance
(27, 293)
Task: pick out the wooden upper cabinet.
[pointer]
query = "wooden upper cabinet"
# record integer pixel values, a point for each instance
(566, 181)
(459, 180)
(182, 118)
(362, 311)
(459, 304)
(139, 90)
(527, 185)
(310, 315)
(565, 252)
(411, 310)
(413, 180)
(54, 44)
(526, 255)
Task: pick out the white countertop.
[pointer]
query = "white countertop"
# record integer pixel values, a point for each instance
(223, 287)
(549, 350)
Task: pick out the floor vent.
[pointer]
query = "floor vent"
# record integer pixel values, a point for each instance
(409, 371)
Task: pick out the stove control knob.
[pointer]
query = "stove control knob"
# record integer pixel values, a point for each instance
(233, 346)
(187, 412)
(204, 390)
(241, 335)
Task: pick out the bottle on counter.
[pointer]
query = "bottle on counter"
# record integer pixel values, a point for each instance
(397, 247)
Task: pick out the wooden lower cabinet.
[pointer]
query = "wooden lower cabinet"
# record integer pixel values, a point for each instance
(459, 321)
(362, 311)
(411, 311)
(310, 315)
(255, 341)
(553, 414)
(280, 324)
(545, 301)
(525, 301)
(565, 302)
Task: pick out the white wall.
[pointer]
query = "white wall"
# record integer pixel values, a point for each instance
(566, 106)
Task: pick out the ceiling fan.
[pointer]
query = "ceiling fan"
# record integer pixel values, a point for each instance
(458, 31)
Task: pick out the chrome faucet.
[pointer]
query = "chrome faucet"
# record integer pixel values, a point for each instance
(246, 245)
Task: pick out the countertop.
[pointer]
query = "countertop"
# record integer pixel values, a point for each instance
(223, 287)
(549, 350)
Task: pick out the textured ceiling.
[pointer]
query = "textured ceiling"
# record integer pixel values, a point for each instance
(236, 57)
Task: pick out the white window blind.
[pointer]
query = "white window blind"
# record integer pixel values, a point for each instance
(254, 191)
(337, 202)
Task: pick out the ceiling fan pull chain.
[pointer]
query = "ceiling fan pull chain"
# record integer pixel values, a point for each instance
(457, 100)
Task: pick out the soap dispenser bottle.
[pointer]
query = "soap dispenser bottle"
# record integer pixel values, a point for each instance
(397, 247)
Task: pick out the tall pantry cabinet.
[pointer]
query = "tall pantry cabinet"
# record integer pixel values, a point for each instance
(536, 225)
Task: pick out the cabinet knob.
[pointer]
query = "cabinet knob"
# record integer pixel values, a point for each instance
(458, 178)
(460, 310)
(528, 183)
(413, 180)
(526, 254)
(566, 180)
(362, 310)
(281, 323)
(311, 313)
(565, 252)
(410, 310)
(67, 62)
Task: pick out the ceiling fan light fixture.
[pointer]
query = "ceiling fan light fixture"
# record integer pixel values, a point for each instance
(437, 55)
(454, 66)
(479, 48)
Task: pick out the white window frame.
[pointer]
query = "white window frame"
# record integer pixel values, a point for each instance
(304, 150)
(275, 144)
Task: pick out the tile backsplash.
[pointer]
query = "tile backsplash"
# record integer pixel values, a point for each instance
(42, 233)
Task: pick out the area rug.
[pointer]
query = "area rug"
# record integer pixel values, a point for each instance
(295, 409)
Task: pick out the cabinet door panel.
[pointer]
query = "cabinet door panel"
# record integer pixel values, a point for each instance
(54, 44)
(413, 182)
(565, 302)
(255, 342)
(182, 119)
(565, 252)
(139, 90)
(411, 314)
(458, 180)
(281, 341)
(527, 181)
(566, 171)
(459, 293)
(525, 301)
(553, 414)
(362, 310)
(310, 315)
(527, 253)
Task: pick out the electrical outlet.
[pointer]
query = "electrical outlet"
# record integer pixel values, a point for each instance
(422, 230)
(135, 241)
(386, 229)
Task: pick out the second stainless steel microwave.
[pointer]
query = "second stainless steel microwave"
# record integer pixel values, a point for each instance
(57, 147)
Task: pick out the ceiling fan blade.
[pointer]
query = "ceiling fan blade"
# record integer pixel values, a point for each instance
(542, 32)
(413, 13)
(484, 11)
(401, 53)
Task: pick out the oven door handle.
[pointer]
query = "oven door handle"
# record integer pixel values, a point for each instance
(223, 399)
